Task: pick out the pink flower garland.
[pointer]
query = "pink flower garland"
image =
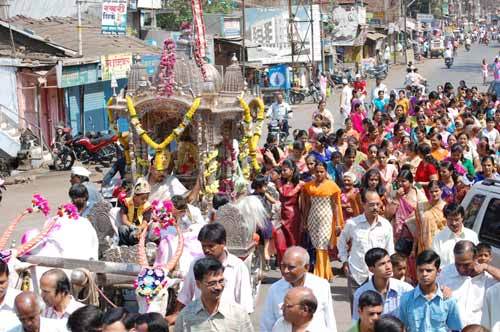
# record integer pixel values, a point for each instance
(167, 64)
(162, 213)
(39, 203)
(70, 210)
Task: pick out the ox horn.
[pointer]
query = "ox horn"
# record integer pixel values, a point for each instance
(25, 248)
(172, 263)
(8, 232)
(142, 259)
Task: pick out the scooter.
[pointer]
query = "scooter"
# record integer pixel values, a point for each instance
(379, 71)
(448, 62)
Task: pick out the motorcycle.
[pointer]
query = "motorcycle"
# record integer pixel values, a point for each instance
(275, 128)
(378, 71)
(448, 62)
(298, 95)
(95, 148)
(62, 153)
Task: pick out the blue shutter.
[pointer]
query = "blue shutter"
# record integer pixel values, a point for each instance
(95, 108)
(72, 99)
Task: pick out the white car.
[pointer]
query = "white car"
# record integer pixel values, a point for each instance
(482, 214)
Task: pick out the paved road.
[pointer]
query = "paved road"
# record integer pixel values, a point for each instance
(55, 185)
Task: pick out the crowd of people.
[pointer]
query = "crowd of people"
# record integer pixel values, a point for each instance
(381, 195)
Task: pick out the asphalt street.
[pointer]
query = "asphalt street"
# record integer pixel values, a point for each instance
(55, 185)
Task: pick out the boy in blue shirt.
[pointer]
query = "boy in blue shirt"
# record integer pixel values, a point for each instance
(424, 309)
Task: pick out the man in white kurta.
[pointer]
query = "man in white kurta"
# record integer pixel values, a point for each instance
(294, 267)
(468, 281)
(490, 318)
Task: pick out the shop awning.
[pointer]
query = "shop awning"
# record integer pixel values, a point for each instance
(375, 36)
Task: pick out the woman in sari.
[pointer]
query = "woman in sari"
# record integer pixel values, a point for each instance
(404, 201)
(429, 220)
(291, 230)
(324, 218)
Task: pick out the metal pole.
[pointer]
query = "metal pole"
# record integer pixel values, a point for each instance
(38, 114)
(243, 37)
(323, 61)
(79, 27)
(291, 32)
(405, 33)
(312, 33)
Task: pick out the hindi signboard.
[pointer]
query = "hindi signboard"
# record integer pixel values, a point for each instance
(425, 18)
(115, 66)
(114, 17)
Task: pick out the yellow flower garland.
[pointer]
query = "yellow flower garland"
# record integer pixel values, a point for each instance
(188, 117)
(252, 139)
(211, 166)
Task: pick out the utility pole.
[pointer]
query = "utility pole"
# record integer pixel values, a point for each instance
(405, 32)
(79, 27)
(243, 37)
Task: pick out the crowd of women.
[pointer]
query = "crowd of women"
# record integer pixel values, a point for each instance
(419, 152)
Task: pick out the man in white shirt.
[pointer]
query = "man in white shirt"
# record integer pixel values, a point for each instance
(468, 281)
(379, 86)
(237, 288)
(379, 264)
(294, 267)
(55, 289)
(28, 312)
(7, 294)
(299, 307)
(491, 315)
(280, 111)
(366, 231)
(444, 241)
(345, 99)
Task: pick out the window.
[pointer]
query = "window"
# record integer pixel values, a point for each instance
(490, 228)
(472, 209)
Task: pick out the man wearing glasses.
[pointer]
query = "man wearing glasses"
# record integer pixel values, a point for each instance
(364, 232)
(237, 286)
(211, 312)
(294, 267)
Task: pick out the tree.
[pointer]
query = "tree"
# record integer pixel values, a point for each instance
(181, 12)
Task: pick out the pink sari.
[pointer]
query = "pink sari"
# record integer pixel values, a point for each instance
(403, 213)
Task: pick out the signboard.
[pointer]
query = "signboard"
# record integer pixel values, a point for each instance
(269, 27)
(151, 61)
(232, 27)
(79, 75)
(425, 18)
(114, 17)
(149, 4)
(116, 66)
(279, 77)
(345, 25)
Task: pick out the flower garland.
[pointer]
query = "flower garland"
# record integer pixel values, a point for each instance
(247, 136)
(200, 33)
(39, 204)
(160, 147)
(211, 164)
(162, 213)
(167, 64)
(69, 210)
(252, 137)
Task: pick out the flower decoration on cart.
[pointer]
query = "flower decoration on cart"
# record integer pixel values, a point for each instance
(161, 147)
(39, 204)
(153, 282)
(162, 214)
(167, 64)
(69, 210)
(252, 134)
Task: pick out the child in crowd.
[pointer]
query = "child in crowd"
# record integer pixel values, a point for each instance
(484, 253)
(400, 268)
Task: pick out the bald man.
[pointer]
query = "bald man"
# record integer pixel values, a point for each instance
(468, 281)
(28, 312)
(294, 267)
(299, 307)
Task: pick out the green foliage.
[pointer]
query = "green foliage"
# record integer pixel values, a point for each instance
(181, 12)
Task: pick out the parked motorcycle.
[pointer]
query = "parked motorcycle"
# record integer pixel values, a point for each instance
(448, 62)
(378, 71)
(298, 95)
(92, 148)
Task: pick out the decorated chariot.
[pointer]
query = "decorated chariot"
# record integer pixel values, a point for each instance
(199, 125)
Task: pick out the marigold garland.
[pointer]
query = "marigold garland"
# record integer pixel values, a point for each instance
(160, 147)
(248, 146)
(211, 164)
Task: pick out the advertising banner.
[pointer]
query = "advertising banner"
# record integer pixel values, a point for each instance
(114, 17)
(270, 28)
(279, 77)
(345, 25)
(115, 66)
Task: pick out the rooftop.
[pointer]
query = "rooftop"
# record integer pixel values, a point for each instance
(62, 31)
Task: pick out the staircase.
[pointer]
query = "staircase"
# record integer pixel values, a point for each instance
(9, 133)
